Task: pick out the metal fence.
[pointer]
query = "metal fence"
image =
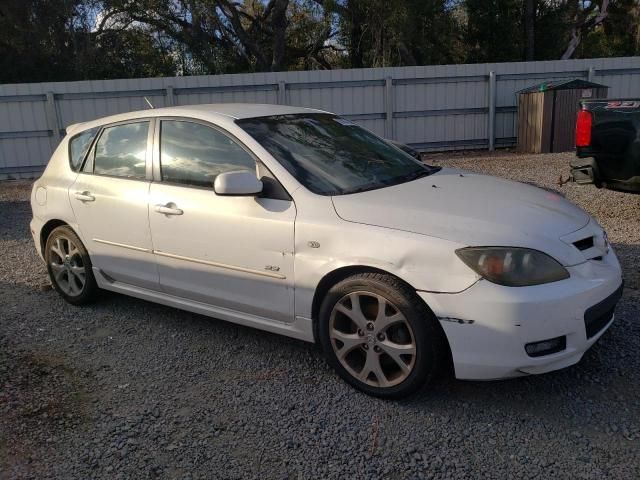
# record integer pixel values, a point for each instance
(430, 108)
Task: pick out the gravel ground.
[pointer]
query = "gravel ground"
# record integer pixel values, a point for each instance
(129, 389)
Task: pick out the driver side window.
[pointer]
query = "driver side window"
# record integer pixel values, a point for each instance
(195, 154)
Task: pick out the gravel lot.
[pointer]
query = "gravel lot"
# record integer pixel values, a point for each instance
(129, 389)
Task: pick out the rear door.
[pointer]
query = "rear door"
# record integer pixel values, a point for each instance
(110, 201)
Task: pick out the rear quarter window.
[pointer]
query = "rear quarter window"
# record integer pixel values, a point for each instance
(79, 146)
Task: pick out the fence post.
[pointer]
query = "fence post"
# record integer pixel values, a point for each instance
(171, 99)
(282, 92)
(52, 117)
(592, 74)
(492, 111)
(388, 105)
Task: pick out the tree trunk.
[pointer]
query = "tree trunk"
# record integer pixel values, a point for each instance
(529, 25)
(587, 23)
(405, 54)
(355, 16)
(636, 14)
(279, 25)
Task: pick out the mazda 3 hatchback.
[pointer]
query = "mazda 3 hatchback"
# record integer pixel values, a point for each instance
(301, 223)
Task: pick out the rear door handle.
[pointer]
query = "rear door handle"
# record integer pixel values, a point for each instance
(169, 209)
(85, 196)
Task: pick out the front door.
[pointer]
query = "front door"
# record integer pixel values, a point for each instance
(110, 201)
(230, 252)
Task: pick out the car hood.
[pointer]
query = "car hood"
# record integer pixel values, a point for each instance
(470, 209)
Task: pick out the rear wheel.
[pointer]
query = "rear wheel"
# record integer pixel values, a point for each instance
(69, 266)
(379, 336)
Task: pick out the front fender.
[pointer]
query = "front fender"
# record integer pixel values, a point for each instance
(426, 263)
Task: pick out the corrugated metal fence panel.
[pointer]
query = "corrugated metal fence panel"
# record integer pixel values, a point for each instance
(356, 94)
(81, 101)
(25, 141)
(623, 79)
(256, 88)
(431, 107)
(445, 106)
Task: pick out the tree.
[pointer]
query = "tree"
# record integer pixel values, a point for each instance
(223, 36)
(397, 32)
(618, 35)
(529, 25)
(58, 40)
(44, 40)
(494, 30)
(587, 17)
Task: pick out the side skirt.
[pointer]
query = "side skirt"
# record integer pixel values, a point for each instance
(299, 329)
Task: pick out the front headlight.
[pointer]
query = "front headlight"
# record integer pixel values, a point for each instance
(512, 266)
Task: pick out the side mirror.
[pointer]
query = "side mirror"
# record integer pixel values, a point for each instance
(240, 182)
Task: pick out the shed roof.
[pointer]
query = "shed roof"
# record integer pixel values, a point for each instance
(569, 84)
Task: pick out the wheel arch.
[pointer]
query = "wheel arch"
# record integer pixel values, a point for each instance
(49, 227)
(335, 276)
(329, 280)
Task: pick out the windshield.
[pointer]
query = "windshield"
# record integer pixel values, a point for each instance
(332, 156)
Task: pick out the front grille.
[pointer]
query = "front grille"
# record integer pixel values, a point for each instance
(584, 244)
(598, 316)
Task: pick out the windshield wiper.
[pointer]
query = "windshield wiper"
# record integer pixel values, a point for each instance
(394, 181)
(414, 175)
(363, 188)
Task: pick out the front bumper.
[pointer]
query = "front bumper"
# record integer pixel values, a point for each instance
(585, 170)
(488, 325)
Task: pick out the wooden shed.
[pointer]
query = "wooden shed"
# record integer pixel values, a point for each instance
(547, 114)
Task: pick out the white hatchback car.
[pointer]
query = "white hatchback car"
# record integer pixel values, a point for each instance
(299, 222)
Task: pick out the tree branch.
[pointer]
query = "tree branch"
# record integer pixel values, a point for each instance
(588, 22)
(232, 14)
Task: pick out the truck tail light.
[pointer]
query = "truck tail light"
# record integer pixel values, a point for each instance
(583, 128)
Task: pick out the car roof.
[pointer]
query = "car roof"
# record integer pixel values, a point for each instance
(250, 110)
(211, 111)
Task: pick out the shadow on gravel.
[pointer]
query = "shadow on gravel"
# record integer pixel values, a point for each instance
(14, 220)
(629, 256)
(42, 398)
(536, 389)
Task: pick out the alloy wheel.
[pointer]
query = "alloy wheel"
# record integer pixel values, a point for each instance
(372, 339)
(67, 266)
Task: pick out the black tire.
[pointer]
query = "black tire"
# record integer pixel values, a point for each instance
(427, 333)
(80, 260)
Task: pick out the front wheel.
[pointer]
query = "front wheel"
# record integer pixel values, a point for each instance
(379, 336)
(69, 266)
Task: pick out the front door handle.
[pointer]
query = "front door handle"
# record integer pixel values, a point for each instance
(169, 209)
(85, 196)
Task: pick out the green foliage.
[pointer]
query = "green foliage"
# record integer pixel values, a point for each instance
(494, 31)
(619, 36)
(52, 40)
(45, 40)
(379, 33)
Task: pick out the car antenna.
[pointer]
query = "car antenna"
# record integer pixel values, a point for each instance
(149, 103)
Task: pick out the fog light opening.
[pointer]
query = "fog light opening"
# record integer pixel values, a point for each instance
(546, 347)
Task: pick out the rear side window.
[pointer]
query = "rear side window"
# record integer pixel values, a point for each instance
(194, 154)
(78, 147)
(121, 151)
